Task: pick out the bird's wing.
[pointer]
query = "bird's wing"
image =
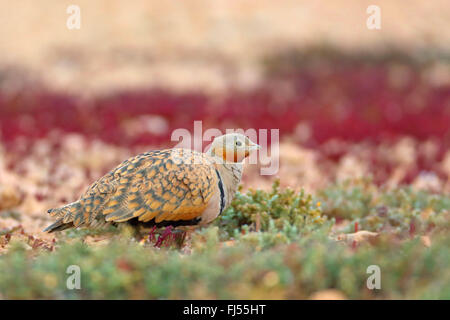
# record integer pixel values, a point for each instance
(167, 185)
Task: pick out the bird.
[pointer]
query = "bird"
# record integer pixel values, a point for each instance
(170, 187)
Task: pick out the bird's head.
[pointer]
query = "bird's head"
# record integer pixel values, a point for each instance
(232, 147)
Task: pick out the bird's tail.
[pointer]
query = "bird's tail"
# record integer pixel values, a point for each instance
(59, 225)
(65, 217)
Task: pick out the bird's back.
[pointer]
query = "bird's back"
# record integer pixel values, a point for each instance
(172, 185)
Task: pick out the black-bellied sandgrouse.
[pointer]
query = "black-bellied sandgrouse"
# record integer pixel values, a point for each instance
(172, 187)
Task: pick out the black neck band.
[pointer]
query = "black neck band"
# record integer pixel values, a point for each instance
(222, 192)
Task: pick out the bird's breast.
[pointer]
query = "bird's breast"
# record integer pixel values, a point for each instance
(213, 208)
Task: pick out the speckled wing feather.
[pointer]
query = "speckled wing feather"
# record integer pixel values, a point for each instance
(166, 185)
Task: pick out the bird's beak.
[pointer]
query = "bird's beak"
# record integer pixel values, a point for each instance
(253, 146)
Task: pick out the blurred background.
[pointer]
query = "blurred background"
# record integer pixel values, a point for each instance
(349, 102)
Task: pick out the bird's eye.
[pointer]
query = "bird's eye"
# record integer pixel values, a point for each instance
(238, 143)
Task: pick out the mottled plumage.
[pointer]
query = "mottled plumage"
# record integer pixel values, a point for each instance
(166, 187)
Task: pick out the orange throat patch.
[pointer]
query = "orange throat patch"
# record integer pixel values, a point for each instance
(231, 155)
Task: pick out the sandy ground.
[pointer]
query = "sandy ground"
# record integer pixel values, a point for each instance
(195, 44)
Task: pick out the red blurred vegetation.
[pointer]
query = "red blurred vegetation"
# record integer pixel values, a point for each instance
(352, 103)
(315, 102)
